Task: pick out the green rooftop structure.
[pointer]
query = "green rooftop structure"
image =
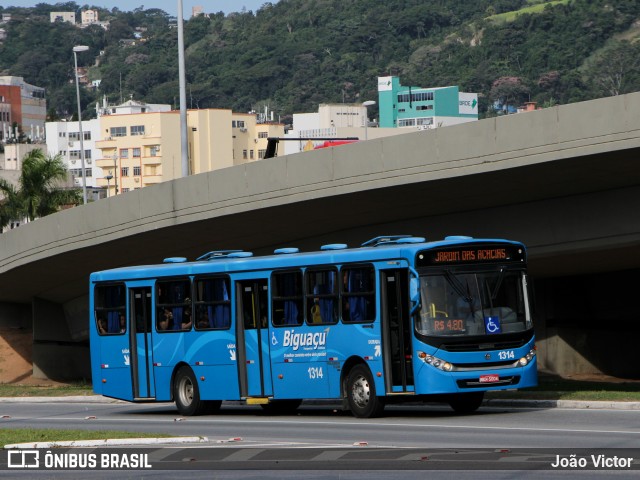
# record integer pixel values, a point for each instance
(423, 108)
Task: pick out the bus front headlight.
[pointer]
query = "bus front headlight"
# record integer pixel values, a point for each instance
(435, 362)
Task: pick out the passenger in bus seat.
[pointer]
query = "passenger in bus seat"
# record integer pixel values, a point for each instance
(102, 325)
(165, 320)
(203, 321)
(123, 323)
(186, 319)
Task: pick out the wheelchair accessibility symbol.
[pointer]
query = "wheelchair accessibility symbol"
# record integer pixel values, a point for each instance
(492, 325)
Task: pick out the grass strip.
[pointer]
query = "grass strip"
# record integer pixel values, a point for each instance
(17, 390)
(31, 435)
(555, 388)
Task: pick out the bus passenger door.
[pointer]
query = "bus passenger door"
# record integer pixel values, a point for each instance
(141, 342)
(254, 363)
(396, 331)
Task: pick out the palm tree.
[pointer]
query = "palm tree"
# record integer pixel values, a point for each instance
(40, 190)
(9, 204)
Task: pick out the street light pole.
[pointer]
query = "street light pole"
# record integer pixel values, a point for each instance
(366, 106)
(108, 177)
(183, 94)
(76, 49)
(115, 172)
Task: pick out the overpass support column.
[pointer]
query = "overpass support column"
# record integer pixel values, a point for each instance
(60, 341)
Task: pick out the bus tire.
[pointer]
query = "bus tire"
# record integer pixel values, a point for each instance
(361, 393)
(187, 394)
(281, 407)
(466, 402)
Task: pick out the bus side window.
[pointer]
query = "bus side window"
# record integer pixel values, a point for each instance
(173, 300)
(321, 296)
(287, 298)
(358, 294)
(213, 303)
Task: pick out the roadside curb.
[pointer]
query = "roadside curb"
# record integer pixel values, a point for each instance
(69, 399)
(576, 404)
(111, 442)
(492, 402)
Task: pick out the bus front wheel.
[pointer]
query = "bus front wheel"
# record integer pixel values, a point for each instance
(466, 402)
(361, 393)
(187, 395)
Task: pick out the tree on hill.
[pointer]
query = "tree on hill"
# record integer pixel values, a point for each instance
(40, 190)
(299, 53)
(509, 92)
(615, 70)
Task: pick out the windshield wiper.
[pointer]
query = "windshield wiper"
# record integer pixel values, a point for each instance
(457, 286)
(496, 288)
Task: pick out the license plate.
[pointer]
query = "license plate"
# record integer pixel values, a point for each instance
(489, 378)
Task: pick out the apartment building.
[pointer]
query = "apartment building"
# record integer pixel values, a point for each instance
(142, 149)
(63, 138)
(250, 137)
(138, 150)
(209, 140)
(23, 104)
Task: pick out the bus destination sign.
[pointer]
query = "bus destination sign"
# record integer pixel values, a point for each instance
(471, 254)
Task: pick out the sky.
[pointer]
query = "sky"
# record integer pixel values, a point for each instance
(169, 6)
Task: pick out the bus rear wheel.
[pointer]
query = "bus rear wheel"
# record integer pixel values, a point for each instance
(187, 395)
(361, 393)
(466, 402)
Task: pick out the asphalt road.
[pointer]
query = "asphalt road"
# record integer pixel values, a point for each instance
(330, 443)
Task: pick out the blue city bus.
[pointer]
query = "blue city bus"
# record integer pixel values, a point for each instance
(398, 319)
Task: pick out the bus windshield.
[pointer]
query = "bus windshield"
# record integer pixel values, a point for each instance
(456, 303)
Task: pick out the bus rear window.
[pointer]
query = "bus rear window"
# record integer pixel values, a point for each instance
(110, 309)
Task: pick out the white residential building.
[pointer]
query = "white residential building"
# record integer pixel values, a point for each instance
(340, 120)
(129, 107)
(64, 138)
(89, 17)
(63, 17)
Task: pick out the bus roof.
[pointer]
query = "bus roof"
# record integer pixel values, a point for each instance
(226, 261)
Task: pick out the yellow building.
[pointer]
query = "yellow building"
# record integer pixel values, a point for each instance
(143, 149)
(139, 150)
(210, 141)
(250, 137)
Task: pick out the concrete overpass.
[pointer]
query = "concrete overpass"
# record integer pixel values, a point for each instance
(565, 180)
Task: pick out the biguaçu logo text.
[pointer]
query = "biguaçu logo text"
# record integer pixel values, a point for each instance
(309, 340)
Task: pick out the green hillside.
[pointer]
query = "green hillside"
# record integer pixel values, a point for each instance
(296, 54)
